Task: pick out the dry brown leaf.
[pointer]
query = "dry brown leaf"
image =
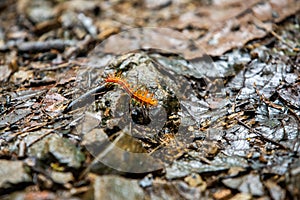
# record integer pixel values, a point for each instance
(231, 24)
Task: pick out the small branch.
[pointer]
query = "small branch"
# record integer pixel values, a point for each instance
(86, 98)
(44, 135)
(260, 135)
(43, 46)
(260, 24)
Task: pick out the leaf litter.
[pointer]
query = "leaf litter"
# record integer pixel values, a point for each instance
(232, 133)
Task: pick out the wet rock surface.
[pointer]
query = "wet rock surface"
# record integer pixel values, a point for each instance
(223, 76)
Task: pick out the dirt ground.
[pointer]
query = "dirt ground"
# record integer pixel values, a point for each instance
(192, 99)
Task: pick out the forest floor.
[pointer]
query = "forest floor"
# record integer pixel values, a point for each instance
(150, 99)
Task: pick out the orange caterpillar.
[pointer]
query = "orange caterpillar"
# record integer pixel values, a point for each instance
(141, 96)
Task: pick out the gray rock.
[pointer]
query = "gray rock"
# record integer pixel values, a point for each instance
(117, 188)
(62, 177)
(61, 148)
(11, 173)
(247, 184)
(66, 152)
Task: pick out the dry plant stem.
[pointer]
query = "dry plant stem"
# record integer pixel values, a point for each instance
(57, 67)
(45, 134)
(273, 105)
(22, 149)
(86, 98)
(11, 137)
(261, 136)
(80, 190)
(263, 26)
(43, 46)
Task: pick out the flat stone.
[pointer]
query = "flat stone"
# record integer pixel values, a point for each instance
(11, 173)
(246, 184)
(117, 188)
(62, 177)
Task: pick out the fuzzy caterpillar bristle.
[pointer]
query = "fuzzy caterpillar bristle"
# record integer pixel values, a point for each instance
(143, 96)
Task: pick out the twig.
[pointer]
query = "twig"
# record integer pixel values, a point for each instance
(86, 98)
(279, 107)
(260, 24)
(42, 46)
(261, 136)
(44, 135)
(12, 136)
